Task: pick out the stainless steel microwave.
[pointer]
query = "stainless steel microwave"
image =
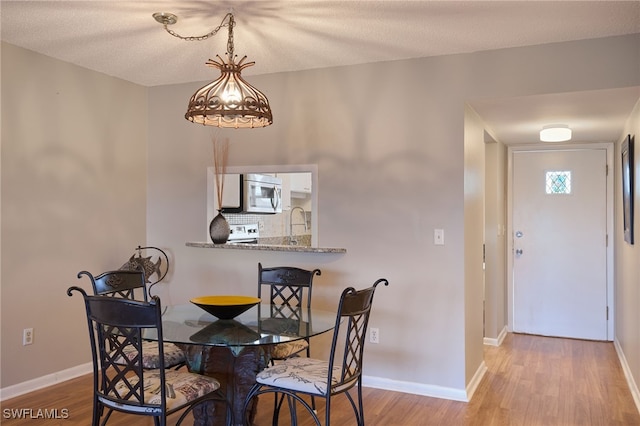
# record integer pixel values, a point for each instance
(252, 193)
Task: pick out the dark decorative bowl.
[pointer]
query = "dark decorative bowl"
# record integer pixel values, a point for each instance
(225, 332)
(225, 307)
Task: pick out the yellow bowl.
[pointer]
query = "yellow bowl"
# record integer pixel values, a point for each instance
(225, 307)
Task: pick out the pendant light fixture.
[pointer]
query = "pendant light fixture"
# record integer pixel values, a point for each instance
(229, 101)
(555, 133)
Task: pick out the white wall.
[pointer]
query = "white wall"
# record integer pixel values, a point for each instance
(389, 143)
(495, 240)
(474, 224)
(73, 198)
(627, 269)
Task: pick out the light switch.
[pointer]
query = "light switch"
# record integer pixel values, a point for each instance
(438, 237)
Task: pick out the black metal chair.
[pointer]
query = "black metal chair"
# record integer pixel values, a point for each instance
(116, 324)
(287, 288)
(295, 377)
(131, 285)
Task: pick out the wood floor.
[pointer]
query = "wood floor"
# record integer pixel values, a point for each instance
(532, 380)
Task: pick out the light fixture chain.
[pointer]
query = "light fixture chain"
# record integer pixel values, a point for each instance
(232, 22)
(208, 35)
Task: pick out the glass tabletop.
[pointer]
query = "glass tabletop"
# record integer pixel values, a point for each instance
(261, 325)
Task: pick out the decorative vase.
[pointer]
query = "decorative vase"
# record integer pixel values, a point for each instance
(219, 229)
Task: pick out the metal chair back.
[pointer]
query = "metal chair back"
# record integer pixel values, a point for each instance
(353, 317)
(287, 286)
(116, 327)
(118, 283)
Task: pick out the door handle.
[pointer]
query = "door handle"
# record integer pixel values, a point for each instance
(275, 198)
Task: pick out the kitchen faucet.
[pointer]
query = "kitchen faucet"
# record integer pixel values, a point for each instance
(292, 240)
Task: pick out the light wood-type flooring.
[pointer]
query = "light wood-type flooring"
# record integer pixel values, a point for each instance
(531, 380)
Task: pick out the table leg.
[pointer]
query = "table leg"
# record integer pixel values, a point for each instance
(235, 370)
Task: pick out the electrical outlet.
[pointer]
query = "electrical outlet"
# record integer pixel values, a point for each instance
(374, 335)
(27, 336)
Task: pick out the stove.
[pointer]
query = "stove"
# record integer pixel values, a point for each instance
(244, 234)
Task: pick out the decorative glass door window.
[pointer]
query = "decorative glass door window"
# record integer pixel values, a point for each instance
(558, 182)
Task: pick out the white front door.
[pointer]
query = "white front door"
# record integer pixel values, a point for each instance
(560, 243)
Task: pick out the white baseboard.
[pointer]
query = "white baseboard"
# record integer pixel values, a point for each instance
(475, 380)
(368, 381)
(44, 381)
(498, 341)
(434, 391)
(415, 388)
(633, 387)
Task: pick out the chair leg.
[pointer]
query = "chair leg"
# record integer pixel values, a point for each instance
(327, 414)
(253, 392)
(313, 399)
(106, 417)
(292, 411)
(276, 407)
(292, 399)
(357, 409)
(97, 410)
(360, 406)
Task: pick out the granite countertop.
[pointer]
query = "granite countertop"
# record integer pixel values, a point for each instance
(268, 247)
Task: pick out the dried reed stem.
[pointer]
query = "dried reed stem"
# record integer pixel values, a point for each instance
(220, 158)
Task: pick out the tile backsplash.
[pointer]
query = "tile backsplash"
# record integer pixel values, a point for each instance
(272, 225)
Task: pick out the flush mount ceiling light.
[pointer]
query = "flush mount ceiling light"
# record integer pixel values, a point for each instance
(555, 133)
(229, 101)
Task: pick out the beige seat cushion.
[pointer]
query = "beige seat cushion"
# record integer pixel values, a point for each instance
(182, 387)
(299, 374)
(173, 355)
(288, 349)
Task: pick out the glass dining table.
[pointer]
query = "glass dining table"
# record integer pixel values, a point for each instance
(234, 351)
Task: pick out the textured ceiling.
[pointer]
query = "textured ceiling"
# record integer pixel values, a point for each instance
(121, 39)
